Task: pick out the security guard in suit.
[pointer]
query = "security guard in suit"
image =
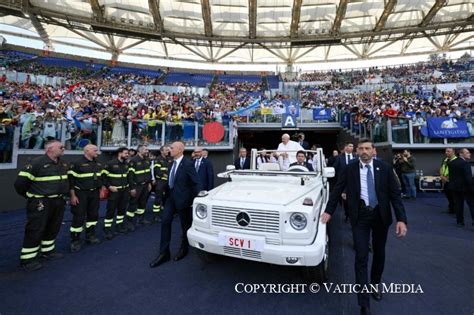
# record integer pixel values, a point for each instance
(160, 177)
(140, 186)
(116, 181)
(85, 177)
(44, 183)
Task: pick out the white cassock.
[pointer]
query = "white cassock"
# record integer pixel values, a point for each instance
(290, 146)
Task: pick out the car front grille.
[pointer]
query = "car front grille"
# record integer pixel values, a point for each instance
(266, 221)
(252, 254)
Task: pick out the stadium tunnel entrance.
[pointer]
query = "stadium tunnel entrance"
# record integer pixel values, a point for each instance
(270, 139)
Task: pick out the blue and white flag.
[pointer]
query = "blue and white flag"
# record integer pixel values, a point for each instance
(243, 111)
(447, 128)
(321, 113)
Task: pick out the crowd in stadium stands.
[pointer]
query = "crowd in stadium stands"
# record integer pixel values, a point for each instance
(112, 101)
(422, 73)
(371, 108)
(88, 98)
(239, 86)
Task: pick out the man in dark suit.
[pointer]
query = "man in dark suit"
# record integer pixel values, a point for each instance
(371, 187)
(340, 162)
(304, 144)
(345, 157)
(242, 162)
(183, 186)
(460, 178)
(301, 160)
(466, 155)
(204, 169)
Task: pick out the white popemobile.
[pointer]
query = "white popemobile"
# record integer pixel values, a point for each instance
(266, 215)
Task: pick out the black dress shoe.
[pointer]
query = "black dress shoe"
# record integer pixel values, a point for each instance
(181, 254)
(31, 266)
(377, 295)
(162, 258)
(364, 310)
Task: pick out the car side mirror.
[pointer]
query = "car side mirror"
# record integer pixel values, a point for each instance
(230, 168)
(329, 172)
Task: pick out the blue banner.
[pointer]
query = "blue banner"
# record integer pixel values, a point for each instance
(292, 107)
(447, 128)
(321, 113)
(346, 117)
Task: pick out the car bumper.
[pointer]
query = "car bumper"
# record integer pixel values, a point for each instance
(308, 255)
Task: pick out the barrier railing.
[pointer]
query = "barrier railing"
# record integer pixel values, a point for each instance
(305, 116)
(110, 135)
(401, 132)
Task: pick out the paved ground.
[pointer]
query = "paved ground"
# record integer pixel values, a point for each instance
(114, 277)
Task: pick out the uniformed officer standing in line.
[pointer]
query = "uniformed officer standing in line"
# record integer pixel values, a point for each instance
(44, 182)
(85, 177)
(160, 177)
(140, 186)
(116, 181)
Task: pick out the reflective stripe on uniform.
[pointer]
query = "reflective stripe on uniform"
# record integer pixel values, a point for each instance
(76, 230)
(120, 217)
(130, 214)
(30, 195)
(27, 175)
(47, 242)
(29, 253)
(47, 248)
(90, 223)
(140, 211)
(156, 208)
(139, 172)
(42, 178)
(116, 175)
(83, 175)
(119, 221)
(108, 222)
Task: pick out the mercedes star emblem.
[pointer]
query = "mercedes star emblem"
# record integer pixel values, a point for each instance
(243, 219)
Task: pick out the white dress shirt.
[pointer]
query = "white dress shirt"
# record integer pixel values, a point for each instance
(364, 193)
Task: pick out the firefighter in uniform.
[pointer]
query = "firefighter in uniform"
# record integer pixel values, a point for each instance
(160, 177)
(44, 182)
(116, 181)
(85, 177)
(140, 186)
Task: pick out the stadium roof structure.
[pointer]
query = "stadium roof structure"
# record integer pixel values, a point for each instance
(287, 32)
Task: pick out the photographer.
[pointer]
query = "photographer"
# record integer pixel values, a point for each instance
(407, 168)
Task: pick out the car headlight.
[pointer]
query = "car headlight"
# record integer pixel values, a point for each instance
(201, 211)
(298, 221)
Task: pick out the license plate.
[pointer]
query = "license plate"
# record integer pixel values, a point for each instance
(241, 242)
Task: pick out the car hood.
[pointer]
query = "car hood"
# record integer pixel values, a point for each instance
(272, 191)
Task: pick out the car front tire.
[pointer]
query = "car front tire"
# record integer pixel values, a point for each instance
(319, 273)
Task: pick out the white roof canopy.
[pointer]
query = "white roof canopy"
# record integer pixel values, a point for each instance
(244, 31)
